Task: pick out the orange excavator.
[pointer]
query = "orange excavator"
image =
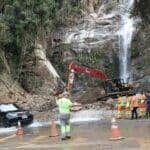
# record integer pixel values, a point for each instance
(112, 87)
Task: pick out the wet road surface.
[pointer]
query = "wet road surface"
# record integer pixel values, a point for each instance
(86, 136)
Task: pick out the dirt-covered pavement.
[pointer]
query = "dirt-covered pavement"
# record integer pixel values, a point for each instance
(85, 136)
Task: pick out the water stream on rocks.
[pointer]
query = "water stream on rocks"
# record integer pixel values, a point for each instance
(125, 33)
(100, 28)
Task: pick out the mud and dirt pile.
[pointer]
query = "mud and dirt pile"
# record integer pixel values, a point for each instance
(11, 92)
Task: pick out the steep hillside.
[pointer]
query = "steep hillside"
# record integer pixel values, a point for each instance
(38, 39)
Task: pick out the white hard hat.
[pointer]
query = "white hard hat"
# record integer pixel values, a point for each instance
(65, 94)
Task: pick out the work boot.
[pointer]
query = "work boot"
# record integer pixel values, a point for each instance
(68, 136)
(63, 138)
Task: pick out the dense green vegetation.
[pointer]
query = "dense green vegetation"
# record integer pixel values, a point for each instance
(22, 22)
(144, 10)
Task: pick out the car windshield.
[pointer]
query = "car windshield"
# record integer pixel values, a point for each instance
(8, 107)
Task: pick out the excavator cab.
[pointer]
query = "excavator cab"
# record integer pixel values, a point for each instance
(116, 86)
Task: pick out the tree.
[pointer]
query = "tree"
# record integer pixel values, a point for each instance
(23, 22)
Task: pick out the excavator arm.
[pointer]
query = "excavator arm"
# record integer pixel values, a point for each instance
(111, 86)
(74, 68)
(90, 71)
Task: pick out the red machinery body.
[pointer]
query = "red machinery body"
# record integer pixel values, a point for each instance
(90, 71)
(111, 86)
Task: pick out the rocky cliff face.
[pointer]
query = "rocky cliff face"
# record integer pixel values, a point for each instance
(140, 57)
(95, 29)
(37, 82)
(92, 40)
(140, 46)
(95, 42)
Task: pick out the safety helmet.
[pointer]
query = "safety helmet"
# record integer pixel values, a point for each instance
(65, 94)
(142, 101)
(72, 70)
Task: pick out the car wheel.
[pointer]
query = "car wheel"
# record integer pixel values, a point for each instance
(6, 123)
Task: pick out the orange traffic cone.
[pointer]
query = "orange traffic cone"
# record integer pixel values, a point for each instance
(54, 131)
(115, 133)
(19, 129)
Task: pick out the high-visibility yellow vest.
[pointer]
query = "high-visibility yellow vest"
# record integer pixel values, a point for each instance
(119, 101)
(124, 100)
(64, 105)
(128, 104)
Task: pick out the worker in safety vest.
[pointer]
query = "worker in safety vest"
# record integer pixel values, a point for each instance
(119, 107)
(142, 104)
(71, 79)
(64, 105)
(128, 107)
(123, 106)
(134, 107)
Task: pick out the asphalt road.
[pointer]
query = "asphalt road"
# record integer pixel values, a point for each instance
(87, 136)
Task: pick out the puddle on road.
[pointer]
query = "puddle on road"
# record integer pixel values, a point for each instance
(85, 135)
(76, 117)
(37, 124)
(83, 116)
(7, 130)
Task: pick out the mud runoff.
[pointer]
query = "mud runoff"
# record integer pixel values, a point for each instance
(85, 136)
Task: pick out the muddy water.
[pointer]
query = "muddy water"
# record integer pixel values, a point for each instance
(76, 117)
(129, 128)
(88, 136)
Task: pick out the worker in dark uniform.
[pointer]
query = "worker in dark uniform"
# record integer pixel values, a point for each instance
(134, 107)
(147, 105)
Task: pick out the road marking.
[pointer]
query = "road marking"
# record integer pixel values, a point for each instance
(8, 137)
(146, 140)
(37, 139)
(50, 145)
(2, 141)
(34, 140)
(80, 139)
(40, 137)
